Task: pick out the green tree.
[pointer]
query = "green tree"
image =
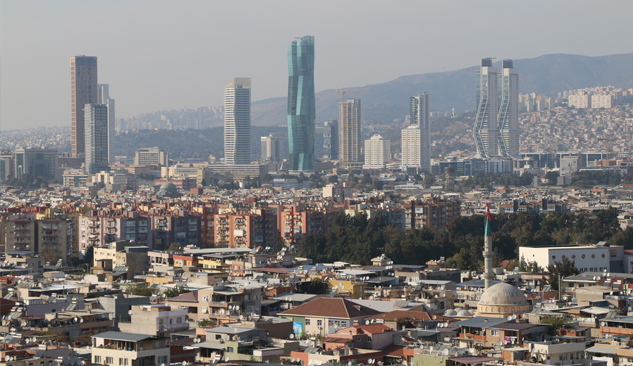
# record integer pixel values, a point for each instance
(556, 323)
(565, 267)
(140, 289)
(175, 291)
(174, 247)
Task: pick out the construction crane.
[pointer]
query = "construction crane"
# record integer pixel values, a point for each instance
(608, 140)
(343, 127)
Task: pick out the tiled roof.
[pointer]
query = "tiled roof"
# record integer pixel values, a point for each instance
(331, 308)
(415, 315)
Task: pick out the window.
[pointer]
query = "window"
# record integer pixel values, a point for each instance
(97, 359)
(602, 255)
(109, 360)
(583, 256)
(121, 361)
(163, 359)
(319, 323)
(307, 321)
(593, 256)
(495, 333)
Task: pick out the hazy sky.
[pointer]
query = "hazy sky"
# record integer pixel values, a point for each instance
(179, 54)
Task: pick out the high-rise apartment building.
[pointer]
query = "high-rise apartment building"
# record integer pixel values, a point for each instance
(349, 133)
(330, 139)
(96, 135)
(416, 139)
(301, 107)
(151, 156)
(377, 152)
(83, 84)
(508, 117)
(38, 162)
(271, 149)
(237, 122)
(486, 130)
(103, 97)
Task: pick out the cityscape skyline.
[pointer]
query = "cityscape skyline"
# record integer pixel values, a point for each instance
(149, 87)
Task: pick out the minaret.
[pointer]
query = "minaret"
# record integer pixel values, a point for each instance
(488, 276)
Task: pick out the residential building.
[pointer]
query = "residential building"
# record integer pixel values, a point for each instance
(83, 79)
(271, 148)
(96, 135)
(103, 97)
(349, 135)
(508, 117)
(377, 152)
(151, 156)
(301, 107)
(331, 140)
(220, 302)
(122, 256)
(237, 122)
(592, 258)
(417, 152)
(580, 100)
(434, 211)
(37, 162)
(485, 130)
(129, 349)
(155, 320)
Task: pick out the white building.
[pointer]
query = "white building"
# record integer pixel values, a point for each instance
(237, 122)
(579, 100)
(271, 148)
(485, 130)
(508, 118)
(602, 101)
(151, 156)
(592, 258)
(96, 135)
(416, 139)
(377, 152)
(349, 132)
(103, 97)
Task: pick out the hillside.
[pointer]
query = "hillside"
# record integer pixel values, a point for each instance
(544, 75)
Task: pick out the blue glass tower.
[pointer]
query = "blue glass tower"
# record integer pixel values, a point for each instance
(301, 111)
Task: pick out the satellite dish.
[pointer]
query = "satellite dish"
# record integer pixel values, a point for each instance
(197, 358)
(505, 342)
(184, 363)
(226, 359)
(509, 317)
(236, 307)
(292, 359)
(7, 358)
(514, 316)
(367, 322)
(130, 312)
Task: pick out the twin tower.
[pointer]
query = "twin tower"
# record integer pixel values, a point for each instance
(496, 129)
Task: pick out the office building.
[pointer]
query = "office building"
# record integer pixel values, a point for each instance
(508, 117)
(103, 97)
(485, 129)
(83, 79)
(96, 134)
(377, 152)
(301, 108)
(37, 162)
(416, 139)
(349, 135)
(151, 156)
(330, 139)
(237, 122)
(271, 146)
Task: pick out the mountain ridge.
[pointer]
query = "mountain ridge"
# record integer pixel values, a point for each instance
(545, 75)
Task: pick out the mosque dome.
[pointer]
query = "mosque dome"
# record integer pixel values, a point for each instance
(168, 189)
(502, 299)
(450, 312)
(463, 313)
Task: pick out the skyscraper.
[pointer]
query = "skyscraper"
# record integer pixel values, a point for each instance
(377, 152)
(103, 97)
(237, 122)
(508, 117)
(96, 137)
(83, 84)
(330, 139)
(416, 139)
(485, 130)
(349, 135)
(301, 107)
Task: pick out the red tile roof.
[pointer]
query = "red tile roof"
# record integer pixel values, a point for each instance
(187, 297)
(331, 308)
(370, 328)
(411, 314)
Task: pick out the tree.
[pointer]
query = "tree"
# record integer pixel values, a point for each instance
(565, 267)
(207, 323)
(556, 323)
(175, 291)
(140, 289)
(316, 287)
(174, 247)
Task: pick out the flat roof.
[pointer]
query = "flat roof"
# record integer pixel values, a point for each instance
(121, 336)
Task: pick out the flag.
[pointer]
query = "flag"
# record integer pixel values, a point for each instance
(488, 212)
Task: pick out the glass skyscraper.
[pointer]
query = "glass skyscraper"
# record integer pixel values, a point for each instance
(301, 110)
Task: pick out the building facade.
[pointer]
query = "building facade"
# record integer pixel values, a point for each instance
(271, 148)
(301, 107)
(151, 156)
(485, 130)
(377, 152)
(330, 139)
(508, 117)
(37, 162)
(418, 149)
(237, 122)
(349, 135)
(83, 81)
(103, 97)
(96, 134)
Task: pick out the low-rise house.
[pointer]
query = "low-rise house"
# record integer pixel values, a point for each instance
(131, 349)
(156, 320)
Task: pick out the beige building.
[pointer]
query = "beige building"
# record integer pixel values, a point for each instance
(155, 320)
(129, 349)
(50, 238)
(123, 257)
(220, 302)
